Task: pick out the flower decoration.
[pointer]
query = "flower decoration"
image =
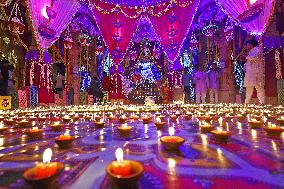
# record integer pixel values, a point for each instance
(116, 53)
(193, 42)
(229, 30)
(85, 39)
(209, 30)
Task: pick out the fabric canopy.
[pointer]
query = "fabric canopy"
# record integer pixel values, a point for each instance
(257, 24)
(64, 12)
(172, 27)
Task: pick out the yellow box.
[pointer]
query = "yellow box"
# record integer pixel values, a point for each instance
(5, 102)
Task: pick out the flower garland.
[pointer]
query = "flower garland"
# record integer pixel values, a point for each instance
(278, 65)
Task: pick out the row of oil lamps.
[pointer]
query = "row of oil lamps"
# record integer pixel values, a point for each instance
(126, 173)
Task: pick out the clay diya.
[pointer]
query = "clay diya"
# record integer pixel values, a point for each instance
(172, 143)
(281, 120)
(9, 122)
(66, 119)
(99, 124)
(3, 128)
(134, 117)
(76, 117)
(159, 124)
(42, 175)
(88, 118)
(122, 119)
(112, 118)
(162, 117)
(173, 117)
(124, 174)
(206, 128)
(220, 135)
(65, 140)
(146, 119)
(124, 130)
(34, 133)
(255, 124)
(56, 126)
(273, 130)
(24, 123)
(187, 116)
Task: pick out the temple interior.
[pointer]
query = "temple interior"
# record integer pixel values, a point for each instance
(141, 94)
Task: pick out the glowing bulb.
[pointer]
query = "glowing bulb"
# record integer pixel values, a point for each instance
(119, 155)
(47, 154)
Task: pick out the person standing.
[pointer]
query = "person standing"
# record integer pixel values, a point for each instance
(213, 77)
(254, 75)
(59, 84)
(186, 82)
(201, 85)
(96, 90)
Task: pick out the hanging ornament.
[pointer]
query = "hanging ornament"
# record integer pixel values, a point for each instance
(193, 42)
(68, 41)
(210, 29)
(251, 13)
(229, 30)
(15, 22)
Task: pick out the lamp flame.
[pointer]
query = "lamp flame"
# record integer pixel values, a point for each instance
(67, 132)
(219, 129)
(171, 131)
(47, 154)
(119, 155)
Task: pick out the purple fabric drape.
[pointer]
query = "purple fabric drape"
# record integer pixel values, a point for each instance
(183, 17)
(65, 10)
(234, 8)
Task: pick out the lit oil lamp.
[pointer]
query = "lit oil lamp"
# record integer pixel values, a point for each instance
(162, 117)
(42, 118)
(146, 119)
(281, 120)
(56, 126)
(206, 127)
(134, 117)
(76, 117)
(66, 119)
(2, 128)
(124, 130)
(34, 133)
(255, 124)
(43, 174)
(124, 174)
(24, 123)
(112, 118)
(220, 135)
(32, 118)
(241, 118)
(123, 119)
(99, 124)
(65, 140)
(159, 124)
(273, 130)
(173, 117)
(172, 143)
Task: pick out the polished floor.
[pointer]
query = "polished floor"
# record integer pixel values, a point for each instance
(250, 159)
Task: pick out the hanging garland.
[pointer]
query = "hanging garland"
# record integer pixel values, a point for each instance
(229, 30)
(278, 65)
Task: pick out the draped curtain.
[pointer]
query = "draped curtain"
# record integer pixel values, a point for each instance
(233, 8)
(65, 10)
(162, 25)
(109, 27)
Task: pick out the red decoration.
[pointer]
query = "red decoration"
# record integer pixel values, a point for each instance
(16, 26)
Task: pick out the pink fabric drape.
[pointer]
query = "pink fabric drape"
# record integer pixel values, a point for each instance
(184, 17)
(233, 8)
(65, 10)
(108, 30)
